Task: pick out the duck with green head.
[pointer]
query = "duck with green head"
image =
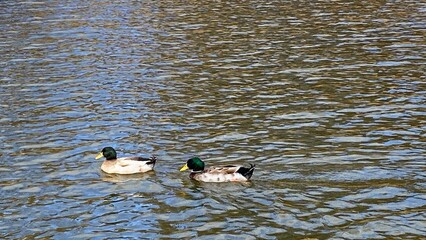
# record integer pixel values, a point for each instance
(125, 165)
(229, 173)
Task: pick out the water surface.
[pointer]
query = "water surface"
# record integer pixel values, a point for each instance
(326, 98)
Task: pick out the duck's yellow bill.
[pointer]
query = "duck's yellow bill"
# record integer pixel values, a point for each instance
(99, 155)
(184, 168)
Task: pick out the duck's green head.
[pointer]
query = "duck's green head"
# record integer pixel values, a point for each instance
(195, 164)
(107, 152)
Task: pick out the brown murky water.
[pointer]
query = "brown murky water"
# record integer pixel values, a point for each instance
(328, 99)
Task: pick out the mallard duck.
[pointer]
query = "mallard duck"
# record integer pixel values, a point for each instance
(124, 165)
(227, 173)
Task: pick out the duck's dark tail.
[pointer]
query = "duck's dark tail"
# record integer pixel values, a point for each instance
(247, 172)
(153, 160)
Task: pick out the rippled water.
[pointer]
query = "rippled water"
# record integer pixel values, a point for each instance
(326, 98)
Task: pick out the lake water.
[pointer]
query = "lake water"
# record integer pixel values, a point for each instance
(327, 98)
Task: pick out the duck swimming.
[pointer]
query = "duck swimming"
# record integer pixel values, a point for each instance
(125, 165)
(229, 173)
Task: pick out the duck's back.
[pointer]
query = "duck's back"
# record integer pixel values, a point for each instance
(219, 174)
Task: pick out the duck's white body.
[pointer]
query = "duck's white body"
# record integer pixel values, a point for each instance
(129, 165)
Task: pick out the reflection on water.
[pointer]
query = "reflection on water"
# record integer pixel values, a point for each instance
(328, 99)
